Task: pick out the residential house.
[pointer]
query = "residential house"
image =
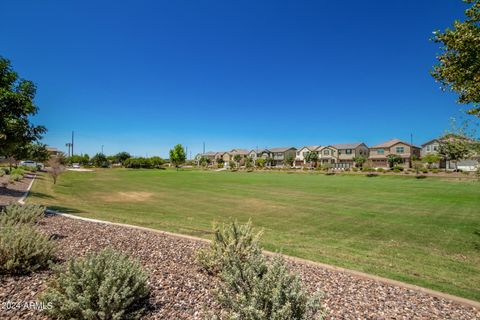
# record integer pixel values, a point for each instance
(327, 155)
(260, 153)
(302, 153)
(279, 155)
(230, 155)
(433, 146)
(209, 155)
(346, 152)
(379, 153)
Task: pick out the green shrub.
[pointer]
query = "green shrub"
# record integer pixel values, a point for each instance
(380, 170)
(355, 169)
(16, 214)
(23, 250)
(5, 170)
(18, 171)
(368, 169)
(105, 285)
(2, 173)
(397, 168)
(250, 286)
(15, 177)
(434, 170)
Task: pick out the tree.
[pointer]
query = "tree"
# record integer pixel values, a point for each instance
(431, 158)
(359, 161)
(261, 162)
(100, 160)
(289, 160)
(121, 157)
(393, 160)
(312, 158)
(16, 108)
(458, 69)
(156, 162)
(454, 149)
(249, 163)
(55, 168)
(39, 152)
(177, 156)
(204, 161)
(237, 159)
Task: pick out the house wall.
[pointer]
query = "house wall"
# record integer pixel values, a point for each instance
(430, 148)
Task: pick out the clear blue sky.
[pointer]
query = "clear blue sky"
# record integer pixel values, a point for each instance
(142, 76)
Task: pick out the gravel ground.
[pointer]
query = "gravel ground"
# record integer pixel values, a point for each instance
(181, 291)
(13, 191)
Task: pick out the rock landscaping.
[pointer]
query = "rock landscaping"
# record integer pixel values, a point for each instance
(181, 290)
(12, 191)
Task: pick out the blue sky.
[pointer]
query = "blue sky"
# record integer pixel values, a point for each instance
(142, 76)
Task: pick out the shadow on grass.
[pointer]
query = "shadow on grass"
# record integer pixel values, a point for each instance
(40, 195)
(62, 209)
(421, 177)
(372, 175)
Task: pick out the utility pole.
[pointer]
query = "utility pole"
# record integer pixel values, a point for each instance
(411, 139)
(186, 152)
(204, 148)
(102, 148)
(68, 145)
(72, 142)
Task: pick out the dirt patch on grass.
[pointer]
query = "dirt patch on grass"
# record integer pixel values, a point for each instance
(131, 196)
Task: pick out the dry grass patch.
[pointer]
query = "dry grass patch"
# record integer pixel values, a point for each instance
(131, 196)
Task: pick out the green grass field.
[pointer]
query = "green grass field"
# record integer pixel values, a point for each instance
(425, 232)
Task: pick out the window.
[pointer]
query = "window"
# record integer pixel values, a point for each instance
(435, 148)
(399, 149)
(305, 153)
(279, 154)
(326, 152)
(380, 151)
(348, 151)
(428, 148)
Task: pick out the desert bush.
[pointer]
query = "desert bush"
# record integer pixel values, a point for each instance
(434, 170)
(23, 250)
(355, 169)
(424, 170)
(2, 173)
(380, 170)
(397, 168)
(16, 214)
(250, 286)
(232, 240)
(5, 170)
(15, 177)
(105, 285)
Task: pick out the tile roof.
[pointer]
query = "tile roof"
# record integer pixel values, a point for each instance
(239, 151)
(311, 148)
(347, 145)
(391, 143)
(281, 149)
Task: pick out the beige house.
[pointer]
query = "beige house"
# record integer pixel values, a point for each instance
(302, 153)
(279, 155)
(346, 152)
(230, 155)
(379, 153)
(260, 153)
(433, 146)
(327, 155)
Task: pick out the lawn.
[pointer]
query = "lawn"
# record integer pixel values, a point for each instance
(425, 232)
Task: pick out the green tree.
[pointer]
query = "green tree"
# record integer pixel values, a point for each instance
(458, 69)
(261, 162)
(454, 149)
(156, 162)
(289, 160)
(177, 156)
(431, 158)
(249, 163)
(100, 160)
(312, 158)
(359, 161)
(121, 157)
(237, 159)
(39, 152)
(204, 161)
(393, 160)
(16, 108)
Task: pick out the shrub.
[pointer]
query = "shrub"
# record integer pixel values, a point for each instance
(355, 169)
(14, 177)
(18, 171)
(2, 173)
(368, 169)
(250, 286)
(424, 170)
(5, 170)
(105, 285)
(23, 250)
(16, 214)
(434, 170)
(380, 170)
(397, 168)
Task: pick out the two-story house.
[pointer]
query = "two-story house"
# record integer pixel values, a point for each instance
(260, 153)
(433, 146)
(327, 155)
(379, 153)
(279, 155)
(346, 152)
(302, 153)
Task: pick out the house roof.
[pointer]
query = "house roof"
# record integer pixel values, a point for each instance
(347, 145)
(259, 150)
(430, 141)
(209, 153)
(281, 149)
(239, 151)
(52, 149)
(310, 148)
(391, 143)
